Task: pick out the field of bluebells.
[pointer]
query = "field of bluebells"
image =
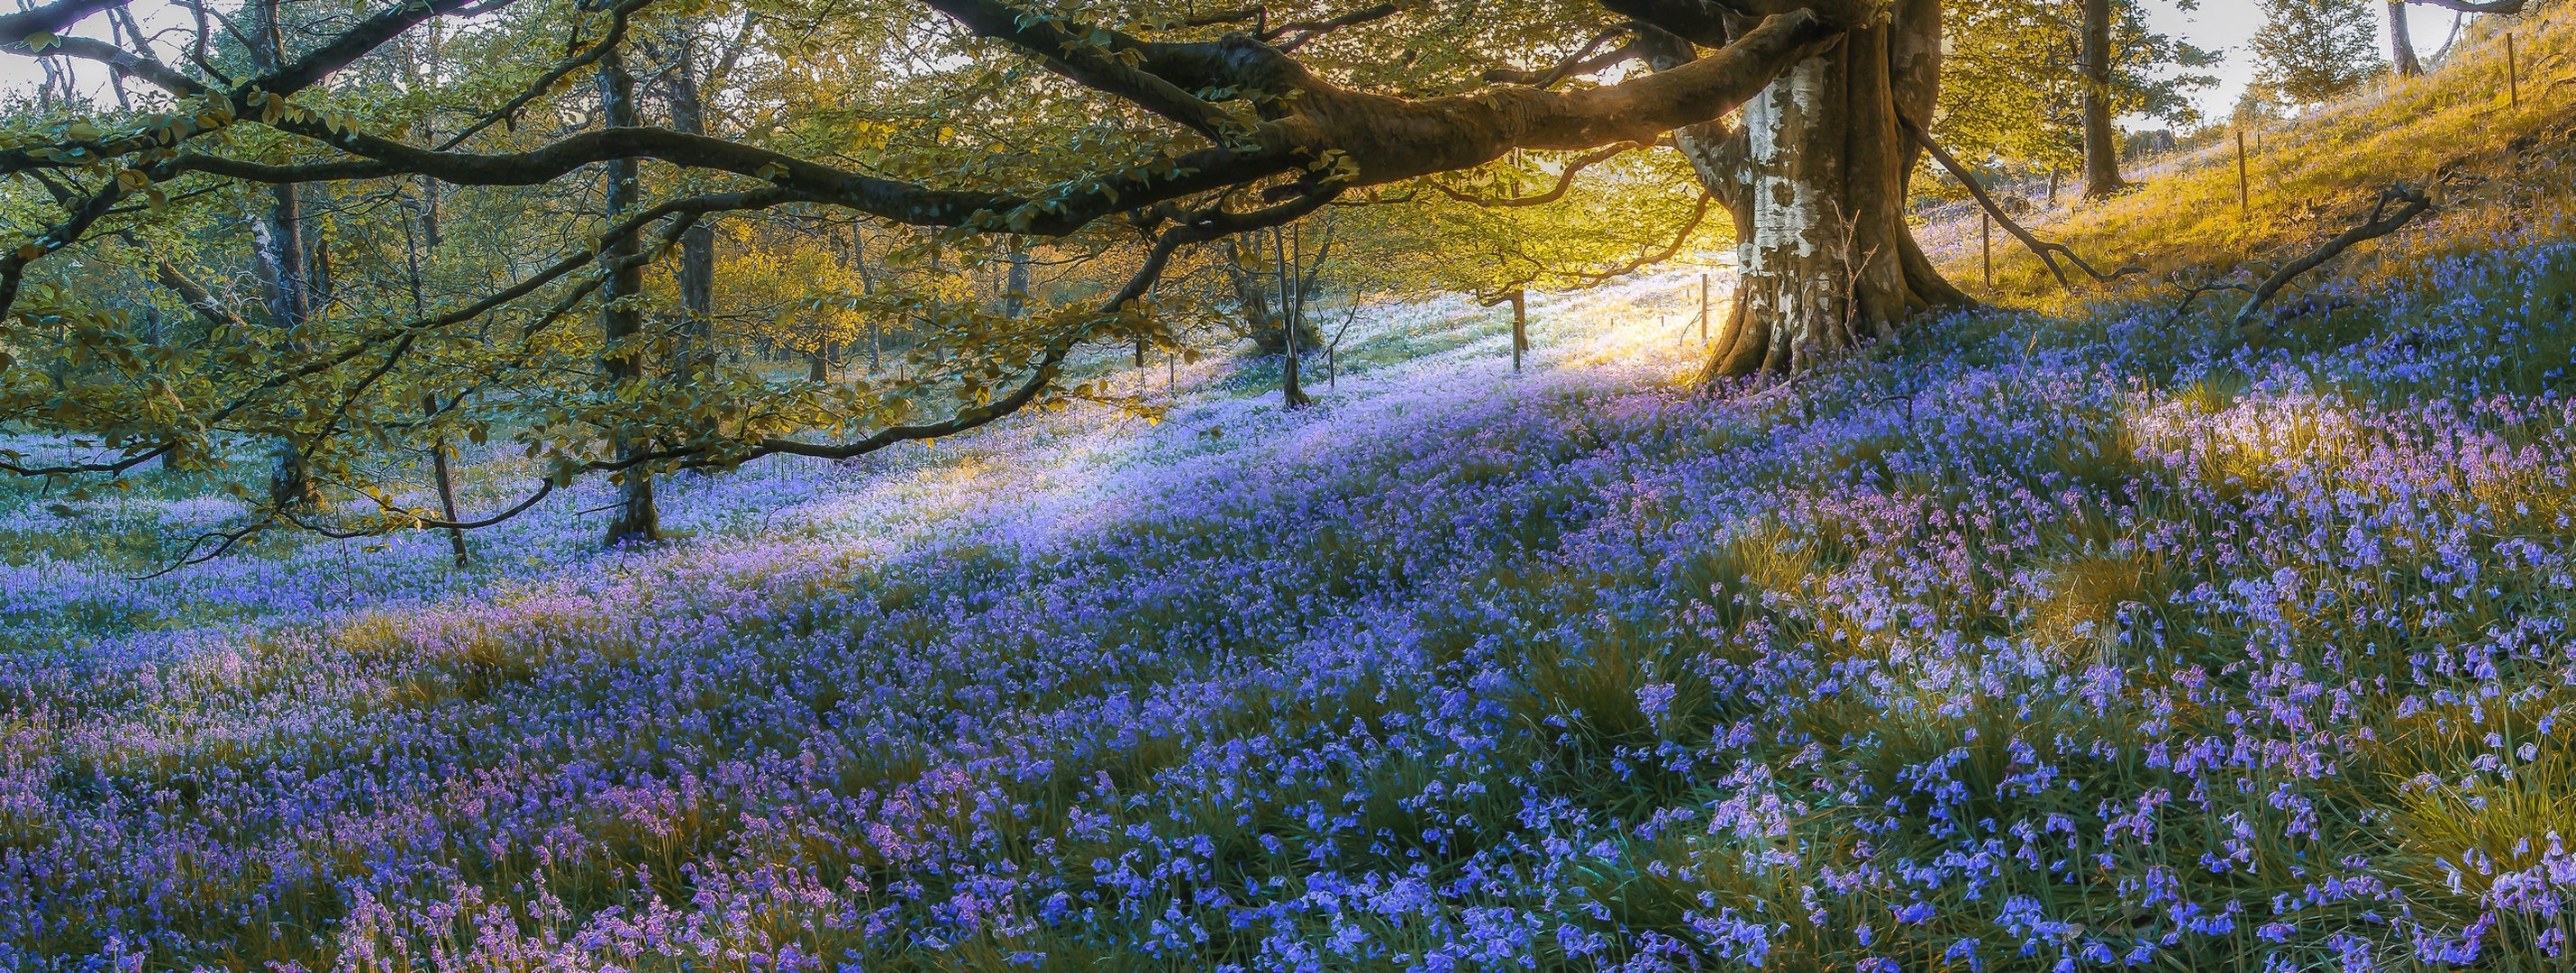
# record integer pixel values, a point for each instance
(2075, 643)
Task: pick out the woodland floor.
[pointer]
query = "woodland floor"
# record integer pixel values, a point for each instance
(2086, 635)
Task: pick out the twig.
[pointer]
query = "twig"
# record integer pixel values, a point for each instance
(229, 538)
(1307, 30)
(2381, 223)
(1697, 216)
(1564, 181)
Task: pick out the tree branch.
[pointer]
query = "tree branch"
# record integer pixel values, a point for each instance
(2047, 252)
(2476, 6)
(2379, 224)
(618, 18)
(1564, 182)
(1582, 61)
(1308, 30)
(1199, 228)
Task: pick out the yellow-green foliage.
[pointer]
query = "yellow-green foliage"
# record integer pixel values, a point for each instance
(2501, 171)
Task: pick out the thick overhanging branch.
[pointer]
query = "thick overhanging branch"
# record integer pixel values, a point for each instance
(1371, 139)
(1076, 55)
(52, 18)
(354, 43)
(1383, 139)
(1073, 207)
(1391, 139)
(1697, 21)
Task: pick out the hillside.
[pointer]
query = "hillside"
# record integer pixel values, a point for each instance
(2079, 634)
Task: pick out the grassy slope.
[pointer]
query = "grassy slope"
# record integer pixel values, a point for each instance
(2094, 638)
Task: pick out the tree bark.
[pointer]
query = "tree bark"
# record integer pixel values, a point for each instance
(867, 285)
(2401, 42)
(1815, 178)
(277, 243)
(1252, 295)
(1293, 319)
(2101, 138)
(697, 271)
(1015, 286)
(636, 519)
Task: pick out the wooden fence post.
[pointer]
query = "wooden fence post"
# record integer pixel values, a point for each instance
(2512, 74)
(1520, 327)
(2244, 190)
(1986, 230)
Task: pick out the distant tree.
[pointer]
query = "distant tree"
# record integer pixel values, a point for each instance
(2101, 136)
(2018, 87)
(2401, 41)
(2401, 37)
(2313, 51)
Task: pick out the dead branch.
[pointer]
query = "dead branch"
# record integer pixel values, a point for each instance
(2191, 295)
(2381, 223)
(2047, 252)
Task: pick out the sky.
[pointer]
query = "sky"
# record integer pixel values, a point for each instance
(2223, 25)
(2227, 25)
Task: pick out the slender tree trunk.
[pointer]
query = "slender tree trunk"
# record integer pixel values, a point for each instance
(621, 362)
(697, 270)
(1291, 392)
(2101, 137)
(858, 261)
(2401, 42)
(438, 456)
(1015, 286)
(446, 483)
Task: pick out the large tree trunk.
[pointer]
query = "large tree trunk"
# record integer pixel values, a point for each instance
(2101, 138)
(2401, 43)
(621, 362)
(1816, 180)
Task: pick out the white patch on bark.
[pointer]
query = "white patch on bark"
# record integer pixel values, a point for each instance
(1779, 256)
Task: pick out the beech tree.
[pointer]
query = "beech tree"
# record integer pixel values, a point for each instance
(1141, 129)
(1815, 175)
